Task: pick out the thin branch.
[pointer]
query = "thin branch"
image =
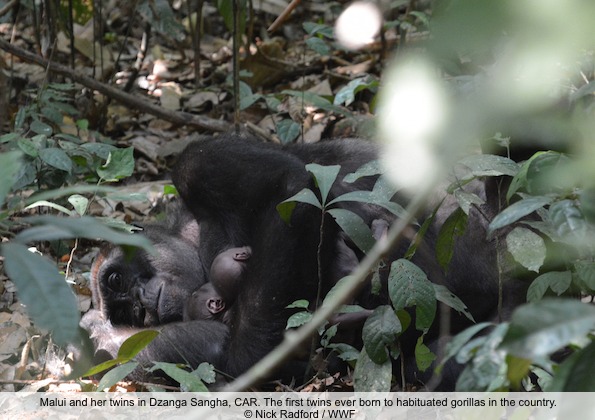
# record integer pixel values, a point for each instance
(141, 104)
(283, 16)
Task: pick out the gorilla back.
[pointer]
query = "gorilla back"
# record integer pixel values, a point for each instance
(232, 187)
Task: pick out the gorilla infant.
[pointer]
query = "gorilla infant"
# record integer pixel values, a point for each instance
(212, 299)
(230, 188)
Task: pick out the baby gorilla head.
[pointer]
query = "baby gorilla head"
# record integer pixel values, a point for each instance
(213, 300)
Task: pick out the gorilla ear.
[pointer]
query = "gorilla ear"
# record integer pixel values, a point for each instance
(215, 305)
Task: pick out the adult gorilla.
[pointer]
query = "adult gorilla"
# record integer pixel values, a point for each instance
(232, 187)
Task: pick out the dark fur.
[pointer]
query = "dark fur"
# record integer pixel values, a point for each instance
(232, 187)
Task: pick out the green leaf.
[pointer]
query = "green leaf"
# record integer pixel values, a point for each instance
(527, 248)
(486, 370)
(312, 28)
(288, 130)
(449, 298)
(101, 150)
(28, 146)
(558, 281)
(162, 18)
(543, 173)
(371, 377)
(188, 381)
(49, 204)
(10, 163)
(81, 189)
(466, 200)
(569, 223)
(423, 355)
(353, 225)
(49, 301)
(120, 164)
(461, 339)
(338, 286)
(585, 270)
(108, 364)
(328, 335)
(79, 203)
(576, 373)
(344, 351)
(517, 369)
(249, 100)
(50, 228)
(135, 343)
(409, 286)
(517, 211)
(346, 95)
(170, 189)
(454, 226)
(540, 328)
(285, 208)
(317, 101)
(298, 319)
(301, 303)
(487, 165)
(39, 127)
(57, 158)
(325, 177)
(318, 46)
(368, 169)
(206, 372)
(381, 330)
(116, 375)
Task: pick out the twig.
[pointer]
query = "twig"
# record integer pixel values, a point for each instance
(141, 104)
(283, 16)
(7, 7)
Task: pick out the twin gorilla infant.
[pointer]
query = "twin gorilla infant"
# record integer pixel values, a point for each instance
(226, 265)
(212, 299)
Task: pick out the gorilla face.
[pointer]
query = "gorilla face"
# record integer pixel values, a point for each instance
(147, 289)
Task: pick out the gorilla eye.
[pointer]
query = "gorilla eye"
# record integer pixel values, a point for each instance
(114, 281)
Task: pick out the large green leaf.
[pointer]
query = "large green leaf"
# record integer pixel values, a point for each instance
(354, 227)
(558, 281)
(10, 162)
(585, 271)
(188, 381)
(576, 373)
(371, 377)
(409, 286)
(570, 224)
(286, 207)
(538, 329)
(488, 165)
(449, 298)
(368, 169)
(517, 211)
(120, 164)
(116, 375)
(380, 331)
(57, 158)
(135, 343)
(49, 228)
(49, 301)
(454, 226)
(543, 173)
(423, 355)
(527, 248)
(325, 177)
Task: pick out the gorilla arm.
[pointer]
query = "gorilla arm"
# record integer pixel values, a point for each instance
(209, 341)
